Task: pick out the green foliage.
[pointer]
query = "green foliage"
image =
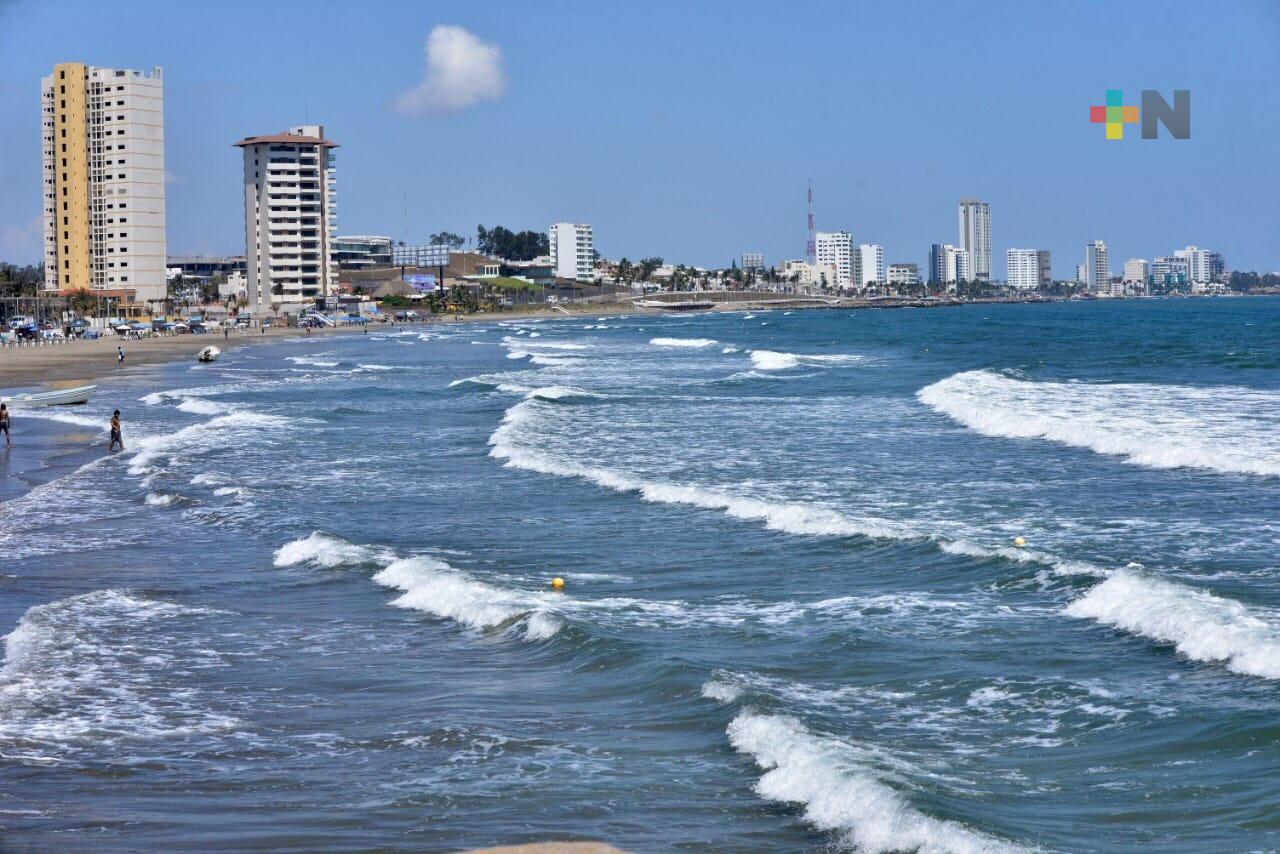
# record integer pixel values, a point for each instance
(448, 238)
(502, 242)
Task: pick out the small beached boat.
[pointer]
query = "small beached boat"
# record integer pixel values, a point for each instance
(209, 354)
(61, 397)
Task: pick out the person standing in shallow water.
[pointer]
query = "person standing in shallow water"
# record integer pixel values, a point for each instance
(119, 355)
(116, 436)
(4, 424)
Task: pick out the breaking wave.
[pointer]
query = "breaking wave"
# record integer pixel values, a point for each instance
(682, 342)
(1225, 429)
(843, 788)
(89, 671)
(769, 360)
(1200, 625)
(432, 586)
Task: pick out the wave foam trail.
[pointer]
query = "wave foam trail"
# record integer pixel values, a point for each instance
(88, 671)
(682, 342)
(769, 360)
(1200, 625)
(794, 518)
(312, 361)
(842, 790)
(1226, 429)
(196, 438)
(202, 406)
(431, 586)
(321, 549)
(434, 587)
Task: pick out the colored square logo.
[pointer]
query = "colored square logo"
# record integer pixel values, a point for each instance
(1114, 114)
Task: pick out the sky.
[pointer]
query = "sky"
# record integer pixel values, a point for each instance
(688, 130)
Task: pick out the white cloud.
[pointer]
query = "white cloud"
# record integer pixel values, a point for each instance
(461, 70)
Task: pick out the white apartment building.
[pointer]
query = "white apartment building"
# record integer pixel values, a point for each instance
(1137, 270)
(904, 274)
(102, 131)
(290, 213)
(870, 264)
(975, 237)
(1198, 268)
(572, 250)
(1023, 268)
(1097, 267)
(835, 249)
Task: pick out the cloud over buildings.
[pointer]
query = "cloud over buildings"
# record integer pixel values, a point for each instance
(460, 70)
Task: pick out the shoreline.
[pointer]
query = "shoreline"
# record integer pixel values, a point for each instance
(84, 362)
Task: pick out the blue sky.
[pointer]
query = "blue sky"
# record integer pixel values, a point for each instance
(688, 130)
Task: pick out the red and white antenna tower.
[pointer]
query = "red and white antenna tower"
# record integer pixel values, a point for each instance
(812, 247)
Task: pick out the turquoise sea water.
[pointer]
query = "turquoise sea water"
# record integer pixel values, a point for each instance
(309, 608)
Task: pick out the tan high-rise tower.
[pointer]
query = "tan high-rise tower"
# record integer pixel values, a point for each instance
(103, 160)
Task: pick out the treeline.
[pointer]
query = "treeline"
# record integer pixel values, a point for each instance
(1245, 281)
(501, 242)
(16, 281)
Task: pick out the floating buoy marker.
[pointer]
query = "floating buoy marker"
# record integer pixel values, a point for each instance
(557, 583)
(1019, 542)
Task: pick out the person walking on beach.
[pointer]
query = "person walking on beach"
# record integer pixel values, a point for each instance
(116, 438)
(119, 355)
(4, 424)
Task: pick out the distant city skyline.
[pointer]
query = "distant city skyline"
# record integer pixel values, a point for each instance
(687, 149)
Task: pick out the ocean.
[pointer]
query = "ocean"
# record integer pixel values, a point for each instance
(309, 608)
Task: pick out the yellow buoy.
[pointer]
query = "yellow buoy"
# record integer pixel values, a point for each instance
(557, 583)
(1019, 541)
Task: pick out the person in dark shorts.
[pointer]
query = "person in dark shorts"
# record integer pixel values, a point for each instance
(119, 355)
(4, 425)
(116, 437)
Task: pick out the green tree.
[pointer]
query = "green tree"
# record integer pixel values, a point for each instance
(448, 238)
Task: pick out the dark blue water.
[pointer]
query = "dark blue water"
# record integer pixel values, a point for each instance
(310, 607)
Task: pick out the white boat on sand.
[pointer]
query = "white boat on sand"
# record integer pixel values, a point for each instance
(60, 397)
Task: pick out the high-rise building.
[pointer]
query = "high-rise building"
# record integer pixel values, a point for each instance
(1097, 267)
(870, 264)
(1168, 273)
(573, 253)
(1137, 271)
(103, 158)
(949, 264)
(975, 236)
(1044, 267)
(1217, 267)
(1023, 268)
(1197, 263)
(289, 217)
(753, 261)
(835, 249)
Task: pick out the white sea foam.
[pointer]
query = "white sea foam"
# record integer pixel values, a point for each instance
(313, 361)
(202, 406)
(160, 499)
(373, 367)
(682, 342)
(206, 479)
(791, 517)
(1226, 429)
(721, 692)
(64, 418)
(233, 428)
(769, 360)
(842, 789)
(554, 392)
(89, 671)
(1200, 625)
(433, 586)
(321, 549)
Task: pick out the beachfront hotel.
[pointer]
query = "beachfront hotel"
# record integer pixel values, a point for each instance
(1023, 268)
(103, 157)
(975, 237)
(834, 250)
(870, 264)
(289, 218)
(572, 250)
(1097, 267)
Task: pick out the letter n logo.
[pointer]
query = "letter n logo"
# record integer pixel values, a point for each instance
(1156, 111)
